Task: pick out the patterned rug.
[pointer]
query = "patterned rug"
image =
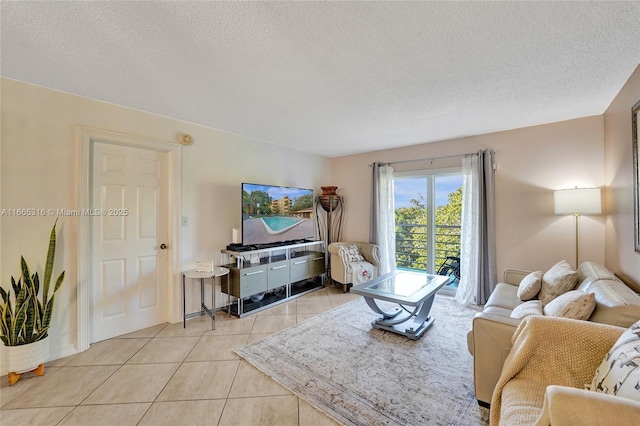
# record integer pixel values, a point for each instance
(362, 376)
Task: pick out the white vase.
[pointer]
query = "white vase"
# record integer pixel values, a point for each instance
(23, 358)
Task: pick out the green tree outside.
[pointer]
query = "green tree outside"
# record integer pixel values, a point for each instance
(411, 232)
(411, 235)
(448, 222)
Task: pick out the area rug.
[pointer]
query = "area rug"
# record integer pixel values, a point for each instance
(362, 376)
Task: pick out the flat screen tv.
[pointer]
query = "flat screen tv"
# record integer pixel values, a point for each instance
(276, 214)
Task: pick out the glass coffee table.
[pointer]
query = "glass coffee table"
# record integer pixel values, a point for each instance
(407, 289)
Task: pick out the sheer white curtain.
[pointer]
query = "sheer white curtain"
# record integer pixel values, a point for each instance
(477, 251)
(383, 223)
(468, 249)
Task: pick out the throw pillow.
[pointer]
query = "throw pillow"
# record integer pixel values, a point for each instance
(556, 281)
(353, 254)
(574, 304)
(619, 372)
(531, 307)
(530, 286)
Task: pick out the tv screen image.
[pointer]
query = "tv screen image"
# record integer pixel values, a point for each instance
(274, 214)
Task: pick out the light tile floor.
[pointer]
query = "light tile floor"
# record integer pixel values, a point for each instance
(169, 375)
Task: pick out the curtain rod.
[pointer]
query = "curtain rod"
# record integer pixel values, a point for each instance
(428, 159)
(495, 151)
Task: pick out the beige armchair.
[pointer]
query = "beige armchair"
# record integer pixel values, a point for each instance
(344, 264)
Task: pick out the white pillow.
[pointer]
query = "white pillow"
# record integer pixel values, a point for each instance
(574, 304)
(531, 307)
(556, 281)
(619, 372)
(353, 254)
(530, 286)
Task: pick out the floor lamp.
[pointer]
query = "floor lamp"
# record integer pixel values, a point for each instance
(577, 201)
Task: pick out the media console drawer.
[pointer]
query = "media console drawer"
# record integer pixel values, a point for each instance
(278, 274)
(306, 266)
(317, 264)
(248, 281)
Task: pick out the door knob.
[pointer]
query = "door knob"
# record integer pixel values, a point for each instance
(163, 246)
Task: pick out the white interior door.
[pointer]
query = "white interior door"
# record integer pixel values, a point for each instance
(129, 226)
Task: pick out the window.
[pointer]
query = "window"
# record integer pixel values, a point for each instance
(428, 209)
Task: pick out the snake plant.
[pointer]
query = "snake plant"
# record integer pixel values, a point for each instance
(26, 318)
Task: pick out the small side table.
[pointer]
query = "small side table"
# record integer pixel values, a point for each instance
(218, 271)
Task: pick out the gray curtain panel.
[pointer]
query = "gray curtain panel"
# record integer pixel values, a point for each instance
(375, 208)
(487, 243)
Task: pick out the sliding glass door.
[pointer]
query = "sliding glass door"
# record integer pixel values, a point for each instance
(428, 209)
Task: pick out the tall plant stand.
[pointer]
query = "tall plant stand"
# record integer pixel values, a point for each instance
(329, 211)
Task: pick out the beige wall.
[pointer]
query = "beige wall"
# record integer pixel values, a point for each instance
(39, 170)
(620, 254)
(532, 162)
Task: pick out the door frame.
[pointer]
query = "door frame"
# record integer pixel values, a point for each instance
(85, 138)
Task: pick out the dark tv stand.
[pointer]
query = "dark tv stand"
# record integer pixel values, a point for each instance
(278, 273)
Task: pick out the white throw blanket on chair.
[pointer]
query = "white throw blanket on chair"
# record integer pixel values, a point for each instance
(361, 272)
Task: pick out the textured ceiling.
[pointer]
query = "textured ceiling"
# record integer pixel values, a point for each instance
(332, 78)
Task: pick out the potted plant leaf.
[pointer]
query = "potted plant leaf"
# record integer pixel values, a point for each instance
(25, 316)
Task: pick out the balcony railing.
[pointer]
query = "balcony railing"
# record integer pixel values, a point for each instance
(413, 249)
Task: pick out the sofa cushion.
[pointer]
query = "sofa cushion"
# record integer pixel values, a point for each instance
(556, 281)
(504, 296)
(530, 307)
(497, 310)
(619, 372)
(590, 272)
(573, 304)
(530, 286)
(616, 304)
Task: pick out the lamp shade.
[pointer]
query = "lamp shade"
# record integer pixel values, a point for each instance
(577, 201)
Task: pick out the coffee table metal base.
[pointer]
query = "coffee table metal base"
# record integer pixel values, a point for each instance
(411, 323)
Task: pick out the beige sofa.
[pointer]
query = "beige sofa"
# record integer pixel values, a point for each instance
(542, 382)
(489, 340)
